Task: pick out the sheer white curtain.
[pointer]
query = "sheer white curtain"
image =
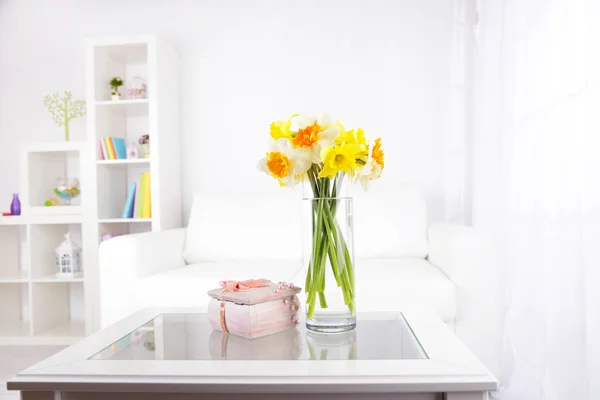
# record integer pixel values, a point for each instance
(536, 182)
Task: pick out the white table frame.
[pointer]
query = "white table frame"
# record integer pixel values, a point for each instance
(451, 372)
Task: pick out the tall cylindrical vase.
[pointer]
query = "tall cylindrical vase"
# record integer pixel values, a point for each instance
(329, 258)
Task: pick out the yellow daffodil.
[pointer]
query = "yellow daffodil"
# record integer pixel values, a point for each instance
(377, 153)
(285, 163)
(353, 136)
(281, 129)
(373, 168)
(340, 159)
(303, 141)
(314, 134)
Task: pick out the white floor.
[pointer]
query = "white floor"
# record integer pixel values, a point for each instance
(14, 359)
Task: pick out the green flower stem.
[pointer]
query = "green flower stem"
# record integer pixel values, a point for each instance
(328, 242)
(332, 253)
(322, 301)
(315, 264)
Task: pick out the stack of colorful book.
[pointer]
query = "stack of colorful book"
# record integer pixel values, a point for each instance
(138, 204)
(113, 148)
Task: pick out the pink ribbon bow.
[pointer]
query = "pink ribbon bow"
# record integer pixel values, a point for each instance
(236, 286)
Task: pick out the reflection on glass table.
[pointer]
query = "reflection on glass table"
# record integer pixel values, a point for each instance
(382, 336)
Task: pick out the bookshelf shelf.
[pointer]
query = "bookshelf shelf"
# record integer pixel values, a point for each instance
(41, 220)
(110, 181)
(12, 220)
(136, 161)
(124, 220)
(55, 279)
(121, 103)
(131, 108)
(19, 277)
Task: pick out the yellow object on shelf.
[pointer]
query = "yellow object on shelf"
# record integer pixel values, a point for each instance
(52, 202)
(146, 207)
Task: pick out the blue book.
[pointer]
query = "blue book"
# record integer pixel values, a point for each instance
(120, 148)
(128, 211)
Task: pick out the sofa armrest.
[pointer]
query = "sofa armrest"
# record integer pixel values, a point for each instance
(124, 260)
(470, 258)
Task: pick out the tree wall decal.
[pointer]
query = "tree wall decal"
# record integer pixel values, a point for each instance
(63, 109)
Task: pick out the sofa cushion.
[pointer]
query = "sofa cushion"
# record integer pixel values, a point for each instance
(381, 284)
(390, 222)
(187, 286)
(395, 284)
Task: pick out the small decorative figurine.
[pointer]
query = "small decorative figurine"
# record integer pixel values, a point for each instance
(145, 145)
(115, 83)
(67, 189)
(137, 89)
(132, 150)
(63, 110)
(68, 258)
(15, 205)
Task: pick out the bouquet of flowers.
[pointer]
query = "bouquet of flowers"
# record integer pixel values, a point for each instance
(323, 153)
(144, 139)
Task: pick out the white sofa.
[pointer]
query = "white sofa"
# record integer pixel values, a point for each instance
(400, 261)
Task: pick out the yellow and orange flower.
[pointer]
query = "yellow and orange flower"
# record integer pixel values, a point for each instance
(307, 133)
(282, 129)
(285, 163)
(342, 158)
(373, 168)
(303, 141)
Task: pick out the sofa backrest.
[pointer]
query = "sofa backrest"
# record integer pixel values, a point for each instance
(390, 223)
(244, 227)
(387, 223)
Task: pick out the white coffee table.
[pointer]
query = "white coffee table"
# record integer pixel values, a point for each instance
(155, 352)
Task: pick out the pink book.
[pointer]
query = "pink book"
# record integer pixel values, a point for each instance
(135, 198)
(103, 149)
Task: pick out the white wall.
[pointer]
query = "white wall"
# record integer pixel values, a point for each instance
(382, 65)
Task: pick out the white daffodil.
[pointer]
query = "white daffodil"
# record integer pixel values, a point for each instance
(285, 163)
(313, 134)
(369, 172)
(373, 168)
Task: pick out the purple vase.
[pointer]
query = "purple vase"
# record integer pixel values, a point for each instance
(15, 206)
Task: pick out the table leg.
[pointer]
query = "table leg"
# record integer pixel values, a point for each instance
(466, 396)
(26, 395)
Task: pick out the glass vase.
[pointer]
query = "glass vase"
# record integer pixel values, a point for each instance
(330, 301)
(332, 347)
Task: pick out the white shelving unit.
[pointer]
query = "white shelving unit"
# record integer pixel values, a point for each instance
(158, 115)
(37, 307)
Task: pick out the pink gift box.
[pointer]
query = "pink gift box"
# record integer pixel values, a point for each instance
(254, 312)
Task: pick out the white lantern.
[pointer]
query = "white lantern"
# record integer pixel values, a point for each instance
(68, 258)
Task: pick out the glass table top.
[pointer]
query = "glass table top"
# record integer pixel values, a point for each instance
(190, 337)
